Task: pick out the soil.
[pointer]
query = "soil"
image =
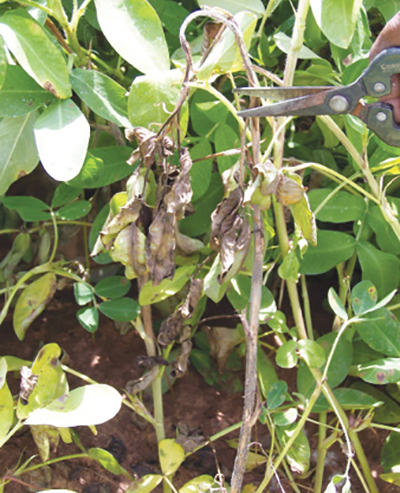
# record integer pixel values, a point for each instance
(110, 358)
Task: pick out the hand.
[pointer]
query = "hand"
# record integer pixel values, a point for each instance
(390, 36)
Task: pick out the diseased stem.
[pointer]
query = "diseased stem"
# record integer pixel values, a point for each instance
(251, 331)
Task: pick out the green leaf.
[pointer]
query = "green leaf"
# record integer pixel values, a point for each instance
(391, 477)
(3, 63)
(239, 296)
(121, 309)
(146, 484)
(277, 394)
(236, 6)
(286, 356)
(266, 373)
(381, 371)
(382, 269)
(225, 139)
(381, 331)
(32, 301)
(212, 287)
(388, 412)
(299, 453)
(285, 418)
(336, 304)
(134, 30)
(97, 226)
(51, 381)
(103, 95)
(224, 56)
(75, 210)
(88, 318)
(90, 405)
(171, 456)
(305, 219)
(201, 484)
(56, 128)
(46, 437)
(339, 366)
(107, 460)
(312, 353)
(341, 207)
(112, 287)
(34, 51)
(6, 402)
(390, 459)
(348, 399)
(385, 236)
(201, 172)
(83, 293)
(289, 268)
(64, 194)
(363, 297)
(327, 13)
(103, 166)
(332, 248)
(153, 97)
(283, 42)
(150, 294)
(29, 208)
(20, 94)
(18, 156)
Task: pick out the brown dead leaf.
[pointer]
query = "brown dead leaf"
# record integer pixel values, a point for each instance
(150, 146)
(181, 364)
(135, 386)
(128, 214)
(170, 328)
(289, 191)
(181, 193)
(224, 217)
(150, 362)
(160, 247)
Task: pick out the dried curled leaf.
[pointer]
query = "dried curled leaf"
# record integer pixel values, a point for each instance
(181, 364)
(127, 214)
(289, 191)
(224, 217)
(27, 384)
(150, 362)
(190, 438)
(171, 328)
(150, 146)
(180, 195)
(192, 299)
(160, 247)
(135, 386)
(230, 234)
(271, 177)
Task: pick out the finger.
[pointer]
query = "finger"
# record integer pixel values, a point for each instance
(389, 36)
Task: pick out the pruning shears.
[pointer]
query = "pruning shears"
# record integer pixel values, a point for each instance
(330, 100)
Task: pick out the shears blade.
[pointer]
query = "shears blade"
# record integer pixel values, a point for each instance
(281, 93)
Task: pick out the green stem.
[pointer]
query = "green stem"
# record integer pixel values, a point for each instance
(37, 5)
(384, 205)
(322, 449)
(307, 308)
(300, 425)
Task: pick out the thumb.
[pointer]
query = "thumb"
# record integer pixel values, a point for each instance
(389, 36)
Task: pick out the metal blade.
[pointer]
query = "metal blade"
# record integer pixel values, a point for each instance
(281, 93)
(313, 104)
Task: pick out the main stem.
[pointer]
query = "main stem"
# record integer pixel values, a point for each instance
(251, 331)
